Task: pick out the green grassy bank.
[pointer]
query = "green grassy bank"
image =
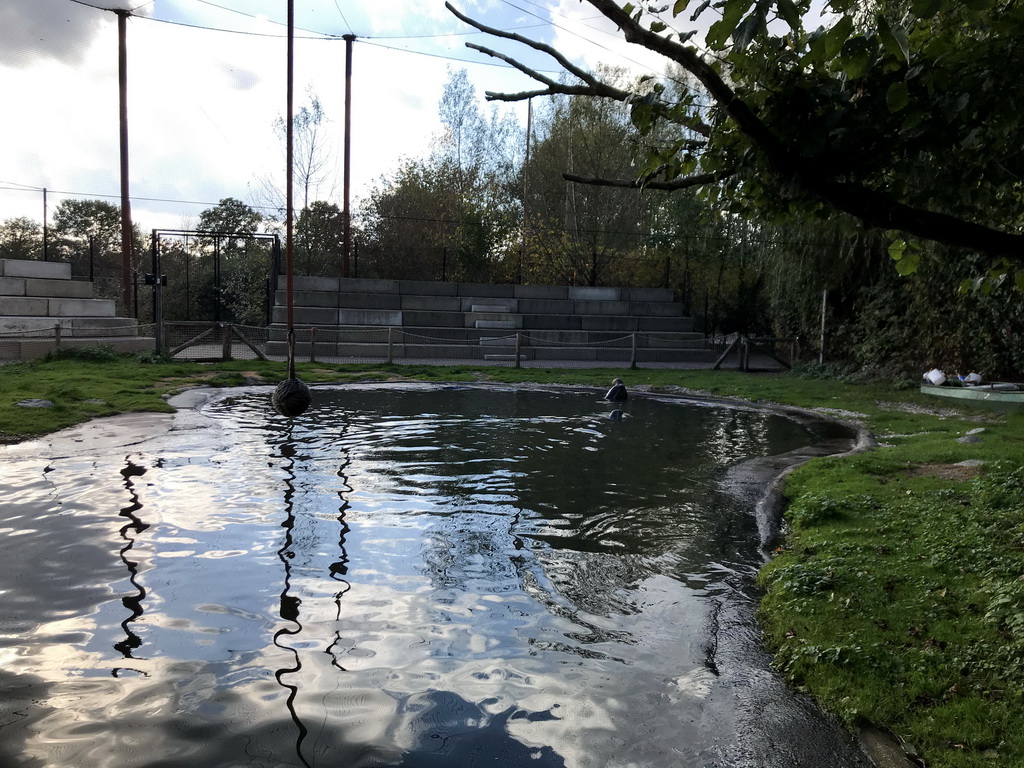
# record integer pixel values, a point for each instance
(897, 597)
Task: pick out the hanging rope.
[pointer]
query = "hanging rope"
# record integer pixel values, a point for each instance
(291, 397)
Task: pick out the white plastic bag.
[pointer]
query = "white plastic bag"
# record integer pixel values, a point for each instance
(935, 376)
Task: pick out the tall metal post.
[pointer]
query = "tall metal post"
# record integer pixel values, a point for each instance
(158, 304)
(288, 172)
(824, 307)
(126, 208)
(46, 230)
(347, 221)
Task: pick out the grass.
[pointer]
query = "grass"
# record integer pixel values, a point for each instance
(897, 596)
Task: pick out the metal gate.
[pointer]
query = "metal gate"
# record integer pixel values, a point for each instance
(213, 291)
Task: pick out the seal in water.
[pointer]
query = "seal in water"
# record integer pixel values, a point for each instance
(618, 391)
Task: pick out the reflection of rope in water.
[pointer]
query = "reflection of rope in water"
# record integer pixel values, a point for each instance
(289, 604)
(132, 602)
(339, 568)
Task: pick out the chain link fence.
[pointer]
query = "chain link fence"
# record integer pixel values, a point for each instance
(209, 341)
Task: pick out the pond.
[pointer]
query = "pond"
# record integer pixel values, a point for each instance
(404, 576)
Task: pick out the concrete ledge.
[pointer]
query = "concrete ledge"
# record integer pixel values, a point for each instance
(608, 323)
(12, 286)
(543, 338)
(432, 303)
(368, 301)
(308, 299)
(488, 320)
(51, 270)
(319, 316)
(589, 293)
(366, 285)
(427, 288)
(58, 289)
(509, 325)
(493, 304)
(435, 319)
(29, 306)
(369, 317)
(602, 308)
(435, 334)
(551, 292)
(307, 283)
(81, 308)
(498, 341)
(547, 306)
(486, 290)
(553, 322)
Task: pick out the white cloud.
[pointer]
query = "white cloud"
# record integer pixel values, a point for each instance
(202, 103)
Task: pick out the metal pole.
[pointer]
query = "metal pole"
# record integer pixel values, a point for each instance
(632, 354)
(526, 165)
(519, 346)
(347, 221)
(46, 234)
(158, 304)
(92, 258)
(390, 349)
(126, 208)
(216, 278)
(824, 303)
(289, 144)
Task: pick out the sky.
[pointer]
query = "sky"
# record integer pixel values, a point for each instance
(207, 79)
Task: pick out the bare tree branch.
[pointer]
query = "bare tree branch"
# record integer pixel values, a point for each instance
(647, 183)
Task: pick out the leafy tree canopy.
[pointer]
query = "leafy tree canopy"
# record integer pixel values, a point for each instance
(21, 238)
(89, 218)
(904, 113)
(230, 216)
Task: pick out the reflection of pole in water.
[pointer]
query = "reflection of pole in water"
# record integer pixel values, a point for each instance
(289, 604)
(339, 568)
(134, 525)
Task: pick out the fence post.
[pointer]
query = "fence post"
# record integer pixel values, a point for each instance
(312, 345)
(56, 335)
(391, 356)
(632, 354)
(744, 354)
(225, 352)
(519, 346)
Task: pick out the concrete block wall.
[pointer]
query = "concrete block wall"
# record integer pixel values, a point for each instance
(37, 297)
(466, 320)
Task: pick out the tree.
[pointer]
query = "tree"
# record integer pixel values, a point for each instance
(600, 225)
(901, 114)
(238, 267)
(319, 234)
(454, 214)
(87, 234)
(21, 238)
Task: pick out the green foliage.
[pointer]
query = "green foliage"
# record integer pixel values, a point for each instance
(99, 353)
(452, 215)
(21, 238)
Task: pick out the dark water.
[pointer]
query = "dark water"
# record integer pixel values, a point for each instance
(401, 577)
